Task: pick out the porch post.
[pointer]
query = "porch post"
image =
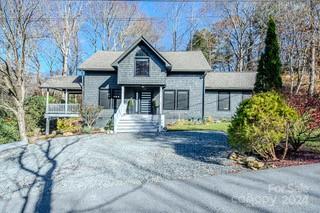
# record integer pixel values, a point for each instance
(66, 101)
(47, 126)
(122, 94)
(161, 100)
(47, 101)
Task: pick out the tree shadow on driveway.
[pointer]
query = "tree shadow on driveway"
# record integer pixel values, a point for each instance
(39, 162)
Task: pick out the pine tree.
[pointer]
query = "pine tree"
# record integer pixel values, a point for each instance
(269, 68)
(205, 41)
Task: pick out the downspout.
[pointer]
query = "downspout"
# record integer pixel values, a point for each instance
(203, 93)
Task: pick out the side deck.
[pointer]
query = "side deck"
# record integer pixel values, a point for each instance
(62, 110)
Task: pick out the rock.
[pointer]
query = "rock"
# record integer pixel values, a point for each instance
(259, 165)
(250, 159)
(67, 134)
(233, 156)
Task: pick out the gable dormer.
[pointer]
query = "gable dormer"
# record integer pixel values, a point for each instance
(141, 64)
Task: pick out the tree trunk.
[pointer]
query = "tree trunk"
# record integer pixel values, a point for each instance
(312, 75)
(22, 123)
(64, 65)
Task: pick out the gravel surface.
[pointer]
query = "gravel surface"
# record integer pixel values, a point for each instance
(98, 161)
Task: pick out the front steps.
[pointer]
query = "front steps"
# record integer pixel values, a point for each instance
(138, 123)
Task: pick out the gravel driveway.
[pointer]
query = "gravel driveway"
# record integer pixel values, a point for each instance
(98, 161)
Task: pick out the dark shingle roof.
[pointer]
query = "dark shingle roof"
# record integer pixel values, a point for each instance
(63, 82)
(180, 61)
(230, 80)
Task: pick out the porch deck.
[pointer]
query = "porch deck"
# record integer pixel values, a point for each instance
(62, 110)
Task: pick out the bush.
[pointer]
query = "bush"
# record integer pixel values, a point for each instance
(69, 125)
(8, 130)
(109, 125)
(35, 110)
(89, 114)
(307, 127)
(260, 124)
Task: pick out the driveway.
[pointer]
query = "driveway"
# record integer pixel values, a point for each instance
(33, 175)
(171, 172)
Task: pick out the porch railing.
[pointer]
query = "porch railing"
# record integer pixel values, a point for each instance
(63, 109)
(117, 116)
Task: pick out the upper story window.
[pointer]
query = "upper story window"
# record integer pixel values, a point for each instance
(141, 64)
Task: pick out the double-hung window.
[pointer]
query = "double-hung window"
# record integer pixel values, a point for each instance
(169, 99)
(182, 99)
(223, 101)
(141, 64)
(176, 100)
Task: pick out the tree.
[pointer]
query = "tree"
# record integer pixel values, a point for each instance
(269, 68)
(64, 24)
(205, 41)
(18, 19)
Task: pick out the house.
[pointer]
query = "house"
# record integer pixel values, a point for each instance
(143, 89)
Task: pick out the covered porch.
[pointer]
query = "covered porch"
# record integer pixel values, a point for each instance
(140, 104)
(70, 89)
(143, 99)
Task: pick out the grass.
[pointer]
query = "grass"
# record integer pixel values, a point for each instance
(191, 126)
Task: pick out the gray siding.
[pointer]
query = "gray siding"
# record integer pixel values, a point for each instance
(92, 82)
(211, 104)
(126, 70)
(193, 83)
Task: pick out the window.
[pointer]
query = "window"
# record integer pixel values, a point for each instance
(246, 95)
(223, 101)
(169, 99)
(141, 64)
(110, 98)
(183, 99)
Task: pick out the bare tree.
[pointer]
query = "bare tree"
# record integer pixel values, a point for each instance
(64, 23)
(114, 25)
(18, 19)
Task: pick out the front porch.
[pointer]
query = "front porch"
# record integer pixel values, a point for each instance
(68, 105)
(141, 109)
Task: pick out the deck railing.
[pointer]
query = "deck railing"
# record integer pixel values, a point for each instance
(63, 109)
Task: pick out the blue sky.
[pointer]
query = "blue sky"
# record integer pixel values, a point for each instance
(159, 11)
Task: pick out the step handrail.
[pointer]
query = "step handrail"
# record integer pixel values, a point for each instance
(117, 116)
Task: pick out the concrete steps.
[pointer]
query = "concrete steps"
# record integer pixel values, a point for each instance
(138, 123)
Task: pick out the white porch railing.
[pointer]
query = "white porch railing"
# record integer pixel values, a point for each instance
(63, 109)
(117, 116)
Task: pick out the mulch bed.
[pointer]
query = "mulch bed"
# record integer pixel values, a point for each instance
(302, 157)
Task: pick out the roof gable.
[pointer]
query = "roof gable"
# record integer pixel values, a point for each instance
(134, 45)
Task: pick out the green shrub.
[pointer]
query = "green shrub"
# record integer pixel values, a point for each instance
(69, 125)
(8, 130)
(301, 131)
(35, 110)
(86, 130)
(260, 124)
(109, 125)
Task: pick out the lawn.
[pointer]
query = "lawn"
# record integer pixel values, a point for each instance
(189, 126)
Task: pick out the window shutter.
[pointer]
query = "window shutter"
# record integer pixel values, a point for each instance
(182, 99)
(168, 99)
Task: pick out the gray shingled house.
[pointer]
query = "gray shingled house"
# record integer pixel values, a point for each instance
(143, 89)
